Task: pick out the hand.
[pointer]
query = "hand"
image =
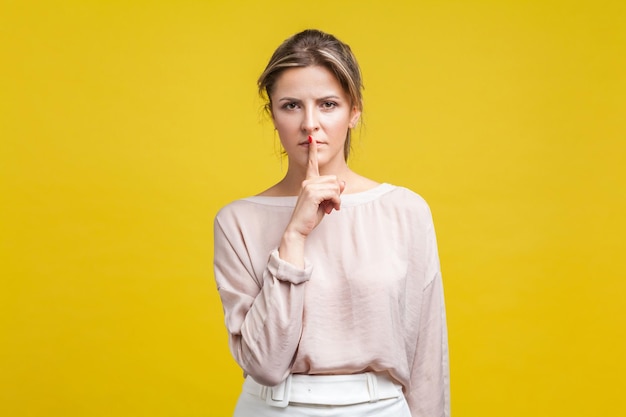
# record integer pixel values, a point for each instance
(319, 195)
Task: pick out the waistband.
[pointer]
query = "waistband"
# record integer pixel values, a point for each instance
(326, 389)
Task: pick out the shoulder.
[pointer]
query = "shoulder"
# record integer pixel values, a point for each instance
(407, 198)
(254, 209)
(233, 211)
(232, 208)
(407, 207)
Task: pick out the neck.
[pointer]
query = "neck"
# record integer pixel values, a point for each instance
(292, 182)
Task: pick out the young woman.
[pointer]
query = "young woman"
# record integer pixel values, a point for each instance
(330, 281)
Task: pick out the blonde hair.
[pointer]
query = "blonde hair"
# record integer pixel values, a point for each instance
(309, 48)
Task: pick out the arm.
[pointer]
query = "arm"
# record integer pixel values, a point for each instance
(264, 320)
(430, 375)
(429, 395)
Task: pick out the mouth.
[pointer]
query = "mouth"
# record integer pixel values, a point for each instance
(306, 143)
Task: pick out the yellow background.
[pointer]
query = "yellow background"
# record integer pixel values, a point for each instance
(125, 126)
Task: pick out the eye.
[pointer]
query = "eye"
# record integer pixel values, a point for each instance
(327, 105)
(291, 105)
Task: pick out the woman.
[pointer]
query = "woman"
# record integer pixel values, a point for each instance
(330, 281)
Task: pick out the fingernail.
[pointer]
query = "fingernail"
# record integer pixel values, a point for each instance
(310, 139)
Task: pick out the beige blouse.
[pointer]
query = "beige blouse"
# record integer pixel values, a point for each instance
(370, 297)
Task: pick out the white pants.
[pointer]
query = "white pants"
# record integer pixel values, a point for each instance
(361, 395)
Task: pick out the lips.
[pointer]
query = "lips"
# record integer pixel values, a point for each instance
(306, 142)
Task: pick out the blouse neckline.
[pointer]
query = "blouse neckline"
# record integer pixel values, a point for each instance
(347, 200)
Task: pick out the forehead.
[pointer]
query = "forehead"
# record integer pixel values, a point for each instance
(307, 81)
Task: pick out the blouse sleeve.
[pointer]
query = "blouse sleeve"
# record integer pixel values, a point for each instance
(264, 319)
(429, 394)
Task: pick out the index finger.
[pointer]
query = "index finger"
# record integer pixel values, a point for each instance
(312, 167)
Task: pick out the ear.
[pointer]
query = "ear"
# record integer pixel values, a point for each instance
(354, 117)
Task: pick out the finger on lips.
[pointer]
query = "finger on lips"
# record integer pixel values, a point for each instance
(313, 167)
(313, 172)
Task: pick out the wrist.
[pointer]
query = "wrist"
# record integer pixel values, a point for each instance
(291, 248)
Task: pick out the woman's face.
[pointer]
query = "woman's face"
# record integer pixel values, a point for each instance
(310, 101)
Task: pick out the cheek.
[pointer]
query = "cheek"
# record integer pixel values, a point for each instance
(282, 122)
(288, 132)
(338, 122)
(284, 129)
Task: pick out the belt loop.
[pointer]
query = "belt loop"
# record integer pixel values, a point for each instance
(372, 386)
(278, 395)
(263, 392)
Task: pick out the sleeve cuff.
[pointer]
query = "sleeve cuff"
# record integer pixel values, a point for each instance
(285, 271)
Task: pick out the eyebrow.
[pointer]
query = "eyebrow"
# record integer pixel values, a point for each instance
(330, 97)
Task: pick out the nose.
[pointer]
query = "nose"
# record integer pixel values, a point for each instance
(310, 120)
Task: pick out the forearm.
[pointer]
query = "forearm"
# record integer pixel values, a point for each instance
(265, 327)
(430, 375)
(271, 333)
